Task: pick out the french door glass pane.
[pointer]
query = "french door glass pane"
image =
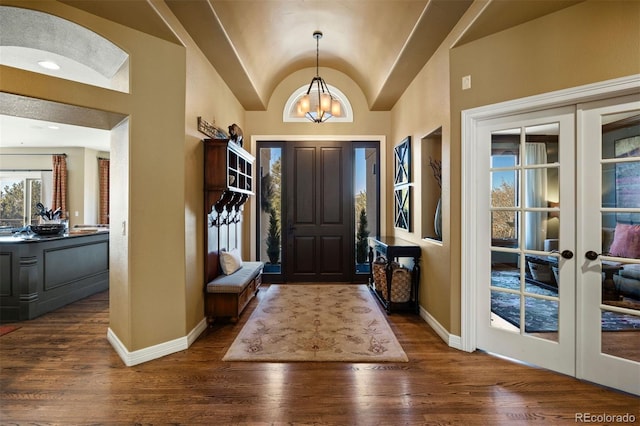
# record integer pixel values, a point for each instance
(503, 228)
(505, 270)
(541, 317)
(503, 188)
(620, 213)
(505, 310)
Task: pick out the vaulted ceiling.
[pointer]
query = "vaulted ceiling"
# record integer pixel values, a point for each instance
(255, 44)
(380, 44)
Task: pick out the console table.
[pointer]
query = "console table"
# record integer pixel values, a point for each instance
(393, 248)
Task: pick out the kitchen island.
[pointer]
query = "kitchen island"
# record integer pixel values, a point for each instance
(40, 274)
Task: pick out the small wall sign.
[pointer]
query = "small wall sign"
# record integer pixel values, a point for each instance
(211, 130)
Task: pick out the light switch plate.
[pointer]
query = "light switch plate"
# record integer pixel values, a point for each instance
(466, 82)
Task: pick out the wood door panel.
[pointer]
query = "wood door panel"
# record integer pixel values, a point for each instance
(332, 186)
(318, 229)
(304, 255)
(304, 159)
(331, 254)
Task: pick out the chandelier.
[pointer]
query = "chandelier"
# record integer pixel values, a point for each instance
(325, 106)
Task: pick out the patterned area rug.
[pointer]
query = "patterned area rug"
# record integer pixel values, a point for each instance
(317, 323)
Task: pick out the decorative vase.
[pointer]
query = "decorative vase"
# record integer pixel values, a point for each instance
(437, 220)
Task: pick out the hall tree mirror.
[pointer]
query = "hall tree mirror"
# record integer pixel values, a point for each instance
(432, 185)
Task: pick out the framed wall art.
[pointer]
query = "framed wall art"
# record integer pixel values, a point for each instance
(403, 207)
(402, 153)
(402, 185)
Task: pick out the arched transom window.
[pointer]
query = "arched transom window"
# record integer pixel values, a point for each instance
(292, 111)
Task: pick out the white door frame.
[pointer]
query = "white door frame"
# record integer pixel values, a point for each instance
(470, 192)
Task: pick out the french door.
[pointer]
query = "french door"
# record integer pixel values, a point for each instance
(526, 294)
(561, 243)
(609, 245)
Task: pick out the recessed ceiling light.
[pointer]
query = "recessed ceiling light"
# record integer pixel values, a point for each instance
(50, 65)
(52, 127)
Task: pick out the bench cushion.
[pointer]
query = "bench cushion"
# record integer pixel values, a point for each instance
(236, 282)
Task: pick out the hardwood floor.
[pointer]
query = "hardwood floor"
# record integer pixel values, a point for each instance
(60, 369)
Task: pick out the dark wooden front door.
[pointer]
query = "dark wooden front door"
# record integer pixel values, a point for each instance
(318, 231)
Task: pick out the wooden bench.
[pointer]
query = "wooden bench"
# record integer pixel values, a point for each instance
(226, 296)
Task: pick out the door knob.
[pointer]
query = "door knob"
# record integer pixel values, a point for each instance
(567, 254)
(591, 255)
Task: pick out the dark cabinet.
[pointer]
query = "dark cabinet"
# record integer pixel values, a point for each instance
(228, 175)
(228, 184)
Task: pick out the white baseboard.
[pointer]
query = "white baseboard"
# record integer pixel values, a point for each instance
(450, 339)
(197, 331)
(156, 351)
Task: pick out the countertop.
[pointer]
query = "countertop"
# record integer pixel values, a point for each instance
(22, 238)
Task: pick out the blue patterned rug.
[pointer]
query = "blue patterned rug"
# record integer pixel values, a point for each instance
(542, 315)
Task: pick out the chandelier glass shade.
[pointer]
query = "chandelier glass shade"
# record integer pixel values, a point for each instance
(318, 105)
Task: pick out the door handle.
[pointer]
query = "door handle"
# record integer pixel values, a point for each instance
(566, 254)
(291, 229)
(591, 255)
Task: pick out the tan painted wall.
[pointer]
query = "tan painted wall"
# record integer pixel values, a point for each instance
(148, 304)
(423, 108)
(209, 97)
(590, 42)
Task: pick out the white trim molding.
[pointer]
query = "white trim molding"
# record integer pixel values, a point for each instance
(470, 121)
(157, 351)
(450, 339)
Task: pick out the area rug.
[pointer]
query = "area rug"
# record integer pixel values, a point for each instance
(6, 329)
(317, 322)
(542, 315)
